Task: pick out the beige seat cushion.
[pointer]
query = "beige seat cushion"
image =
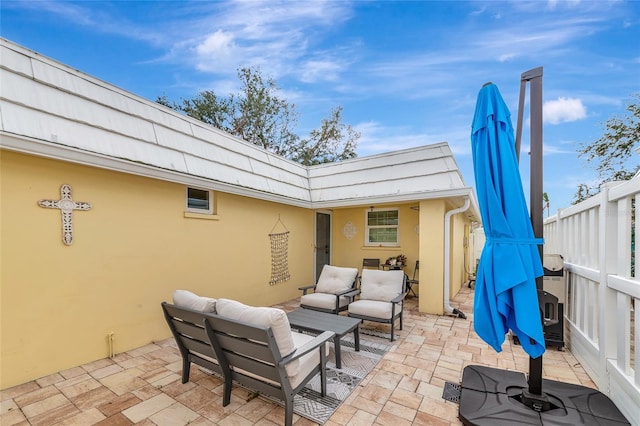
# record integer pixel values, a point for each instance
(381, 285)
(335, 278)
(188, 300)
(373, 308)
(322, 300)
(263, 317)
(307, 362)
(260, 316)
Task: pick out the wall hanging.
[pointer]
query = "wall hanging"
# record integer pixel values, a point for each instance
(349, 230)
(66, 206)
(279, 254)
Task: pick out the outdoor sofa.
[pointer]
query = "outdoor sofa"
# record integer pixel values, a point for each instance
(252, 346)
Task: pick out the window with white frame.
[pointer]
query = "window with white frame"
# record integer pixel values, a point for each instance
(199, 201)
(382, 227)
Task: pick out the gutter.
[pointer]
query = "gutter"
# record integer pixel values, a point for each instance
(447, 258)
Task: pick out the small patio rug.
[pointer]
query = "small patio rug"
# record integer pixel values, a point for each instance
(310, 404)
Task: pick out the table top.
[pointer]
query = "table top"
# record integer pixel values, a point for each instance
(311, 320)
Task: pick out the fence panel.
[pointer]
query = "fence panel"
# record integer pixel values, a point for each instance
(597, 241)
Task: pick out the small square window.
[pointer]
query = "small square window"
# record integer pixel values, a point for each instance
(199, 201)
(382, 227)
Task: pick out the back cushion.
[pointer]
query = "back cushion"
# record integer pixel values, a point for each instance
(189, 300)
(335, 278)
(381, 285)
(260, 316)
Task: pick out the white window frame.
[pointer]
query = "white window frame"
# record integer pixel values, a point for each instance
(367, 228)
(193, 209)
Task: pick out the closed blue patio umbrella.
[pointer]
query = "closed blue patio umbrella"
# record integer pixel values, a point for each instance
(505, 293)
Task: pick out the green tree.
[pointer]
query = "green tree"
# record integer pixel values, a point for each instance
(206, 107)
(333, 141)
(546, 205)
(258, 115)
(612, 151)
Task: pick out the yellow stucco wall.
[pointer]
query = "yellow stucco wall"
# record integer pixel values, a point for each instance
(426, 245)
(432, 256)
(459, 238)
(130, 252)
(350, 252)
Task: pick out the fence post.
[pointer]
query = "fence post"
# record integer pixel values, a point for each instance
(609, 252)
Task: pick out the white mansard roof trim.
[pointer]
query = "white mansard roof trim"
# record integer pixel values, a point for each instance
(51, 110)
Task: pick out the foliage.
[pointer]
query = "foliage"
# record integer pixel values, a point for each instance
(400, 259)
(612, 151)
(257, 114)
(263, 118)
(333, 141)
(583, 192)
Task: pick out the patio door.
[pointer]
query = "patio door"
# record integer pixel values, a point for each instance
(323, 241)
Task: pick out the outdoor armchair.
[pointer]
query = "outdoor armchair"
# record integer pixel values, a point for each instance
(333, 291)
(381, 297)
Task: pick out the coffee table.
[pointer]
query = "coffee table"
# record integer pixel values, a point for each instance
(315, 321)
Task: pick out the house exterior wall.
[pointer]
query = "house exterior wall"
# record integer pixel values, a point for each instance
(130, 252)
(421, 238)
(350, 252)
(132, 159)
(432, 256)
(459, 235)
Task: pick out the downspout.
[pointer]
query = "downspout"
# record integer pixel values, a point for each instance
(447, 257)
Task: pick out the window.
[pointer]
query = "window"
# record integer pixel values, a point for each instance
(382, 227)
(199, 201)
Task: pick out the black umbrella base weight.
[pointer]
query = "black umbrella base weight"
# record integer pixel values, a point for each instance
(494, 397)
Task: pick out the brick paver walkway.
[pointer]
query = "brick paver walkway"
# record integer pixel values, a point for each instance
(143, 386)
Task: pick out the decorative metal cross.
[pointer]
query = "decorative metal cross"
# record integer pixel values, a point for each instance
(66, 206)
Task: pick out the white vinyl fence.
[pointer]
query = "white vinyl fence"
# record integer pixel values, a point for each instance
(597, 241)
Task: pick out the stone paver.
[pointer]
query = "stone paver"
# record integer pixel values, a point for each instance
(144, 387)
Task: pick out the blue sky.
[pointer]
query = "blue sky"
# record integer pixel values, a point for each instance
(406, 73)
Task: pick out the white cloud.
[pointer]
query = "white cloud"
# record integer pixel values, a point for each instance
(218, 49)
(548, 149)
(506, 57)
(563, 110)
(270, 34)
(377, 138)
(312, 71)
(552, 4)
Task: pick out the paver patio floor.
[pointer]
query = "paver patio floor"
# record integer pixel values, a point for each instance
(143, 386)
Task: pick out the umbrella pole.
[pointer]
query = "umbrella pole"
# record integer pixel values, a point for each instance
(534, 397)
(490, 396)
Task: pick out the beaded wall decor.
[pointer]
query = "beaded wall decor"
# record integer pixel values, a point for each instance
(279, 255)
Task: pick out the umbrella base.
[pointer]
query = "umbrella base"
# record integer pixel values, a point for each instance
(495, 397)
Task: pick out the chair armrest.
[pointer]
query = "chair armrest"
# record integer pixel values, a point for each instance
(306, 288)
(344, 292)
(351, 293)
(399, 298)
(318, 341)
